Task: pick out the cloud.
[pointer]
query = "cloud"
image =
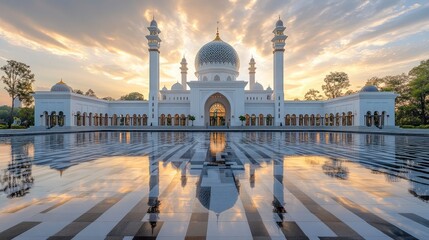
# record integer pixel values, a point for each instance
(107, 38)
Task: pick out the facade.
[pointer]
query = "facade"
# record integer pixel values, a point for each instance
(215, 98)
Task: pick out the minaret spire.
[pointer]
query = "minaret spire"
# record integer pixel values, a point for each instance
(278, 57)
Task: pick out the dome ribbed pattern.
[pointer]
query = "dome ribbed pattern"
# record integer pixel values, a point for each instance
(217, 52)
(177, 86)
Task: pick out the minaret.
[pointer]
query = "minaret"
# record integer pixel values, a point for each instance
(183, 71)
(154, 44)
(278, 55)
(252, 71)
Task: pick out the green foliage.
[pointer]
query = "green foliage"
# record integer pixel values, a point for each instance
(78, 91)
(313, 95)
(27, 116)
(192, 118)
(419, 87)
(90, 93)
(335, 83)
(134, 96)
(108, 99)
(242, 118)
(18, 80)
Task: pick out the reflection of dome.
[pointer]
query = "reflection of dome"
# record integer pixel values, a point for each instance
(61, 87)
(217, 51)
(369, 88)
(177, 86)
(257, 86)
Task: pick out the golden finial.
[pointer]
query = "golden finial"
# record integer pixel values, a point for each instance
(217, 32)
(61, 82)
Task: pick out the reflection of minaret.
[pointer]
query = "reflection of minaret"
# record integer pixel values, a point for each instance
(17, 180)
(252, 176)
(183, 178)
(278, 199)
(153, 201)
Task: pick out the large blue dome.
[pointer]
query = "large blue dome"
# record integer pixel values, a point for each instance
(217, 51)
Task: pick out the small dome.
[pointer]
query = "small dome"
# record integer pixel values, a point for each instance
(164, 89)
(269, 88)
(177, 86)
(369, 88)
(279, 23)
(61, 87)
(153, 23)
(258, 86)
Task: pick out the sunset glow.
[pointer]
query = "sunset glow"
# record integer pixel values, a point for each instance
(101, 45)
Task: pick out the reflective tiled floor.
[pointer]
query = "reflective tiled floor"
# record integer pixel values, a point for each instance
(168, 185)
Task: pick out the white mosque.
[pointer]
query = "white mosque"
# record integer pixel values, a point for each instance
(215, 98)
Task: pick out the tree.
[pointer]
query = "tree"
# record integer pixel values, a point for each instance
(18, 79)
(26, 115)
(335, 83)
(108, 99)
(90, 93)
(313, 95)
(419, 87)
(191, 118)
(242, 118)
(78, 91)
(134, 96)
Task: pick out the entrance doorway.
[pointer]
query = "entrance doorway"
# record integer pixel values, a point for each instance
(217, 111)
(217, 114)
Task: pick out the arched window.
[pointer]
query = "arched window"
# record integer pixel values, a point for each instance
(368, 119)
(383, 118)
(84, 119)
(205, 79)
(114, 120)
(318, 120)
(337, 119)
(144, 120)
(306, 120)
(78, 119)
(176, 119)
(269, 120)
(60, 119)
(261, 119)
(134, 119)
(377, 119)
(216, 78)
(182, 120)
(90, 119)
(343, 119)
(228, 78)
(293, 120)
(106, 119)
(247, 120)
(162, 123)
(127, 120)
(96, 119)
(169, 120)
(287, 120)
(349, 119)
(253, 120)
(301, 120)
(312, 120)
(331, 119)
(326, 119)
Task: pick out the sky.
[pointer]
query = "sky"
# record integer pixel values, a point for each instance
(101, 44)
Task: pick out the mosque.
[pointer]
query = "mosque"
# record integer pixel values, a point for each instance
(215, 98)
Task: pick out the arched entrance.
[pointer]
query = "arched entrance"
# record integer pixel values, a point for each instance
(217, 111)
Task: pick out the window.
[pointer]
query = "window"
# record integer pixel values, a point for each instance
(216, 78)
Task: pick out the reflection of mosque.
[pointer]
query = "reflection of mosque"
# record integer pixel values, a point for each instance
(16, 180)
(396, 157)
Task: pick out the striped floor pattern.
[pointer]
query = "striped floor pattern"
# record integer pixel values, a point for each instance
(178, 185)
